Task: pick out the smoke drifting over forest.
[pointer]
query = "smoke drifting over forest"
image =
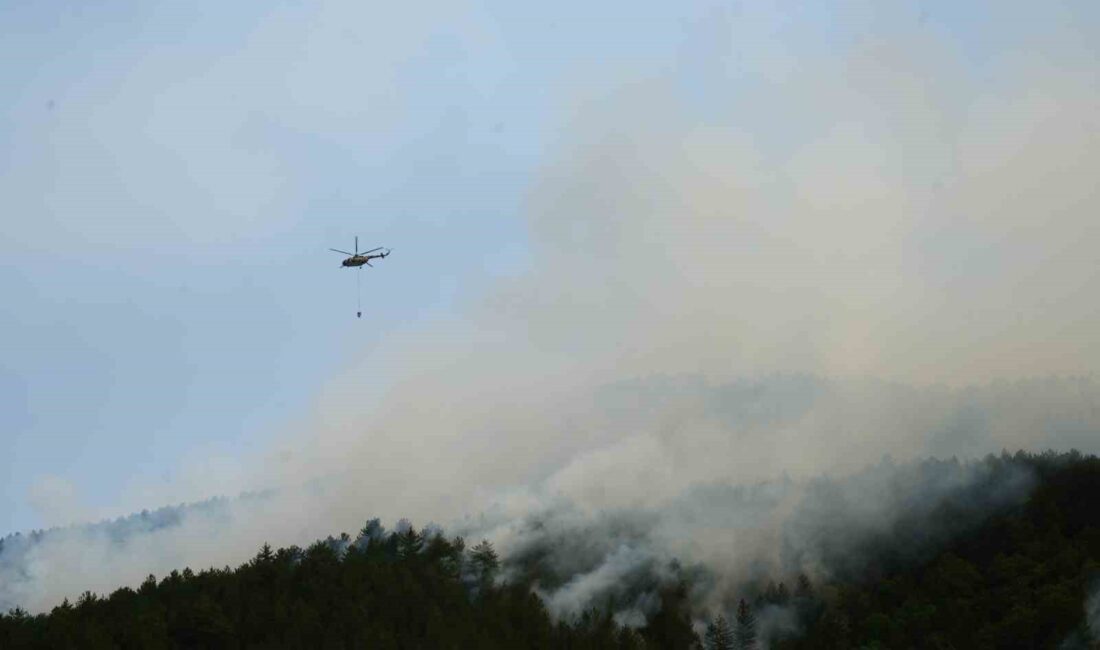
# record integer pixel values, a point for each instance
(874, 255)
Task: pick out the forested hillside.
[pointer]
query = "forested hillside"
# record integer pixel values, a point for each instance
(1020, 578)
(397, 590)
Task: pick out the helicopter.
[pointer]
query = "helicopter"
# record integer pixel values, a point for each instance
(359, 259)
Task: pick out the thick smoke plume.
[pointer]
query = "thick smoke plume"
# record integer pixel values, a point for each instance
(873, 254)
(616, 521)
(739, 538)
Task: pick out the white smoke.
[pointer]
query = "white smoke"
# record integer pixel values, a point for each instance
(871, 255)
(584, 589)
(56, 500)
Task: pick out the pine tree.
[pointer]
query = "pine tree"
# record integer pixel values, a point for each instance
(485, 561)
(409, 543)
(746, 627)
(670, 625)
(149, 586)
(719, 635)
(783, 596)
(804, 589)
(265, 556)
(371, 531)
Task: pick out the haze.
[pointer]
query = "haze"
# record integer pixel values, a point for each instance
(875, 221)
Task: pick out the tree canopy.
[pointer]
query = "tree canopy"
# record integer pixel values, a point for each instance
(1018, 578)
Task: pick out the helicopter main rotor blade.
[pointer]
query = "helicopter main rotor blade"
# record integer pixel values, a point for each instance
(334, 250)
(372, 250)
(357, 244)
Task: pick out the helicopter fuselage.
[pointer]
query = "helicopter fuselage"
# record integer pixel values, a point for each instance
(360, 260)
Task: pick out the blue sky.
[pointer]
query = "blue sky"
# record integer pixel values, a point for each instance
(171, 177)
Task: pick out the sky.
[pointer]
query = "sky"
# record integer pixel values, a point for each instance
(173, 179)
(849, 188)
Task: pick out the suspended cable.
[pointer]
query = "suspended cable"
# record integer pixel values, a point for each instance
(356, 260)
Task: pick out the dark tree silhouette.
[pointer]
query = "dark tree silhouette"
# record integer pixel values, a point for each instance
(803, 589)
(719, 635)
(396, 590)
(1017, 577)
(670, 627)
(746, 627)
(485, 561)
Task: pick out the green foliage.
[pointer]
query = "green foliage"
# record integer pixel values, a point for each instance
(746, 627)
(719, 636)
(401, 590)
(485, 561)
(1018, 580)
(670, 627)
